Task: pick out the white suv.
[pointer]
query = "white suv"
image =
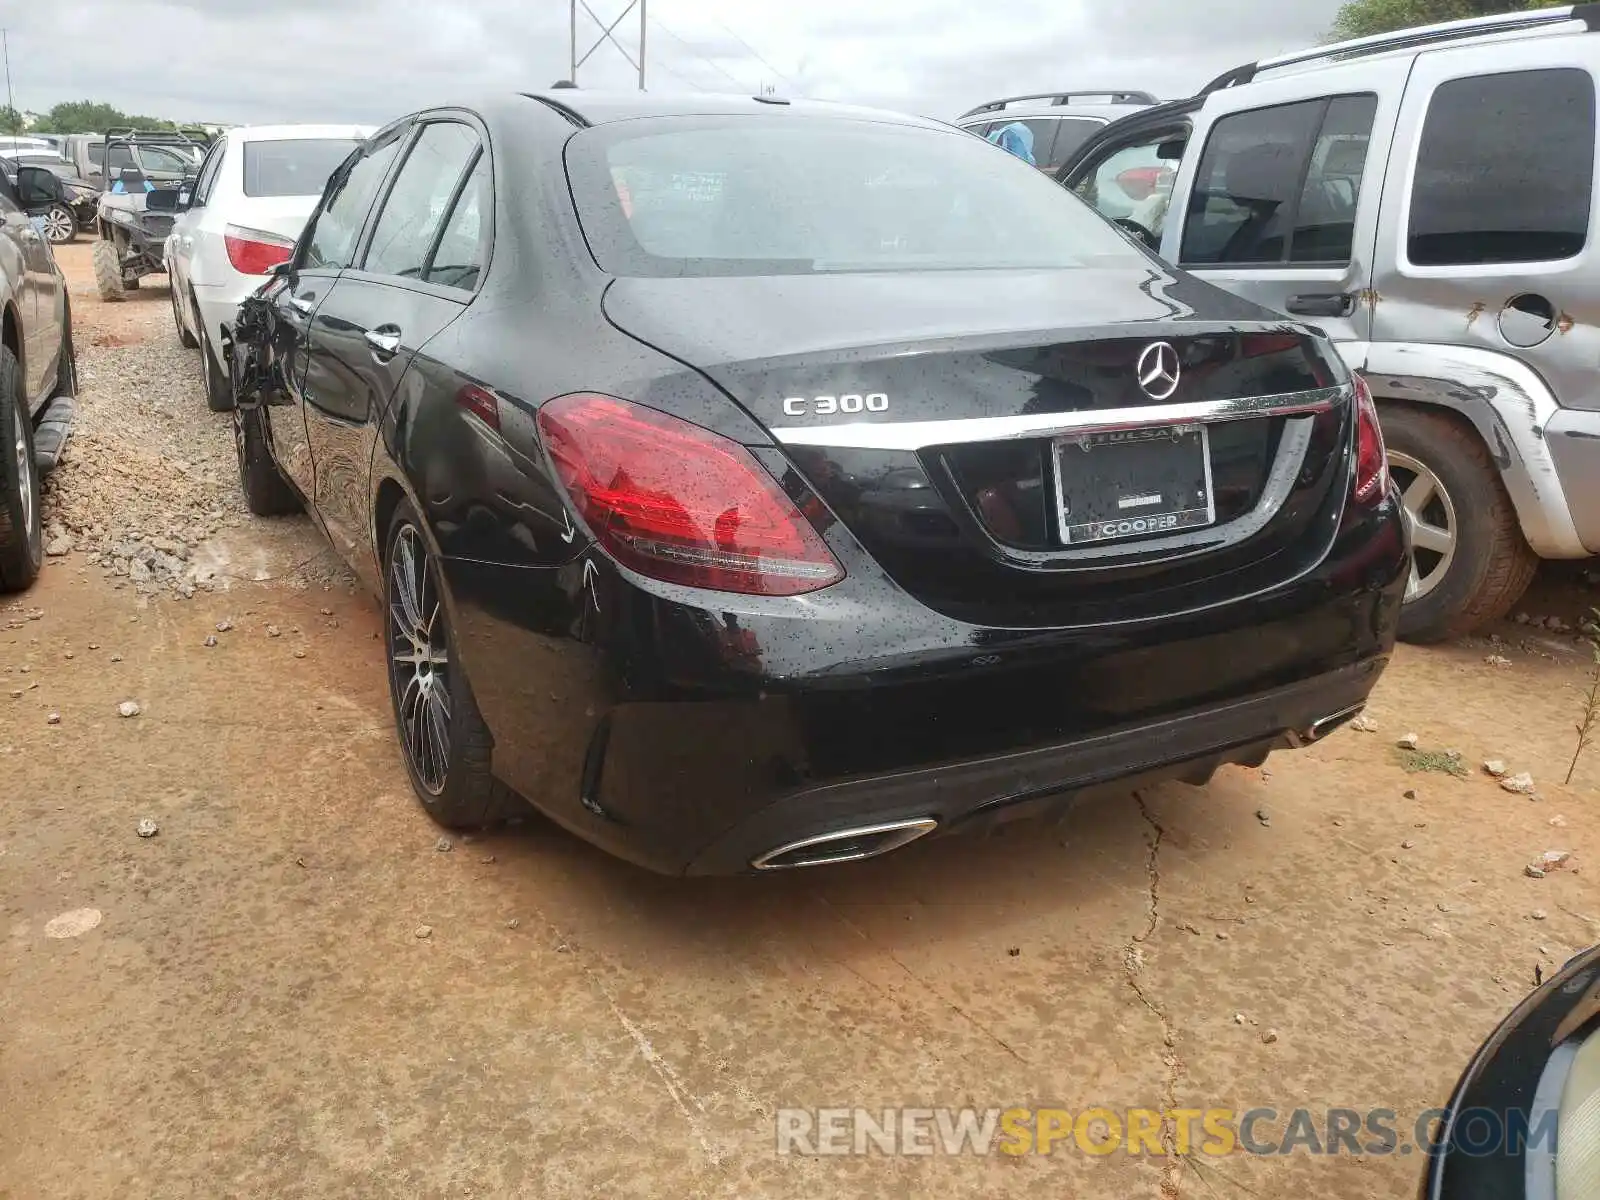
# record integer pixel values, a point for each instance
(252, 197)
(1060, 121)
(1428, 197)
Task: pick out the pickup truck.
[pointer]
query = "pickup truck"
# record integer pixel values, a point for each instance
(162, 157)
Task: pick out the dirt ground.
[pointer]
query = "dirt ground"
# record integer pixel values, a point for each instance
(255, 1014)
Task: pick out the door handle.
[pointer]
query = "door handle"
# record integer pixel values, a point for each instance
(384, 340)
(1322, 304)
(304, 307)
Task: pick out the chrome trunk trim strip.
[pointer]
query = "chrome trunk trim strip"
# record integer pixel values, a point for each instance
(923, 435)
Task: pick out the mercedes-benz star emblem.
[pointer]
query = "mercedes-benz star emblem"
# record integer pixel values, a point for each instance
(1159, 370)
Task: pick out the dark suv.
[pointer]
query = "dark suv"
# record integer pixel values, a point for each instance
(38, 373)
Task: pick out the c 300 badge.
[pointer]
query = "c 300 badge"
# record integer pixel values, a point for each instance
(827, 406)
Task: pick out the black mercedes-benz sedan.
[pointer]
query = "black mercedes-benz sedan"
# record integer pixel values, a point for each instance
(755, 484)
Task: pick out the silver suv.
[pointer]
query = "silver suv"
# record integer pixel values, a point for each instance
(1427, 197)
(1060, 121)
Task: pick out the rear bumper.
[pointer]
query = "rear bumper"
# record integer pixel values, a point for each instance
(1574, 439)
(688, 738)
(964, 795)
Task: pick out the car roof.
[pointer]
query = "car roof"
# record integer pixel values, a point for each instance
(601, 108)
(1033, 112)
(284, 133)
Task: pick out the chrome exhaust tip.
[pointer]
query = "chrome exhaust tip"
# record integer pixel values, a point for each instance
(847, 845)
(1321, 728)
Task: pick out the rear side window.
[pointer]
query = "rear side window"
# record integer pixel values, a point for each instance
(97, 153)
(1280, 185)
(459, 259)
(294, 167)
(1505, 170)
(417, 204)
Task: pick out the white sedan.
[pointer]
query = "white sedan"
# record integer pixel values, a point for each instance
(252, 197)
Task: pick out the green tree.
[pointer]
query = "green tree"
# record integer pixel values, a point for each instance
(92, 116)
(10, 120)
(1362, 18)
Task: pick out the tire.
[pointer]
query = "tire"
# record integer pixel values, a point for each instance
(21, 539)
(266, 492)
(185, 338)
(446, 746)
(219, 387)
(108, 271)
(60, 225)
(1488, 564)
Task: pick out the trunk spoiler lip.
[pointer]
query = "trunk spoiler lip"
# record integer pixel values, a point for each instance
(916, 436)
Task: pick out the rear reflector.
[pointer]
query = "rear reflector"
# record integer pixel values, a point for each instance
(1372, 462)
(679, 503)
(254, 251)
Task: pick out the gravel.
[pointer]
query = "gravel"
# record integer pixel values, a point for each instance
(147, 489)
(149, 472)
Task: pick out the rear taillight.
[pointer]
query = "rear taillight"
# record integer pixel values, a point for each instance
(1139, 183)
(1372, 463)
(679, 503)
(254, 251)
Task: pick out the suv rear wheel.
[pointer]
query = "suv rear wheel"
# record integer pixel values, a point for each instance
(1471, 562)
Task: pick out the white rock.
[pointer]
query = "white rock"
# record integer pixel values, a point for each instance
(129, 708)
(75, 923)
(1409, 742)
(1498, 660)
(1364, 724)
(147, 828)
(1495, 767)
(1521, 784)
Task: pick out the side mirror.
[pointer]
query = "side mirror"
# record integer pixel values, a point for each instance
(37, 186)
(1172, 151)
(162, 200)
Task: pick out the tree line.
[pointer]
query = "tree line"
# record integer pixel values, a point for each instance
(80, 116)
(1363, 18)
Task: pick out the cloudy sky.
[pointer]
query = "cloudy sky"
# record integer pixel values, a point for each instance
(368, 60)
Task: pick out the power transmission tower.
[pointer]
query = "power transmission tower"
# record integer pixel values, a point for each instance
(606, 35)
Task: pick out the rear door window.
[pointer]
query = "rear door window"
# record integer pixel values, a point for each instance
(1070, 134)
(209, 171)
(416, 207)
(1280, 185)
(1505, 170)
(292, 166)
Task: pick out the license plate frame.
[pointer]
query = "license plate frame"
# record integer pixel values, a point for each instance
(1157, 495)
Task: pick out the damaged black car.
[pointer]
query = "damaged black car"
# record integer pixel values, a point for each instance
(755, 485)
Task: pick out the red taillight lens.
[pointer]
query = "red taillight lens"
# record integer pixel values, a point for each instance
(1139, 183)
(1372, 463)
(679, 503)
(253, 251)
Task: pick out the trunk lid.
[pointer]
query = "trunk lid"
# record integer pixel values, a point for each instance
(984, 433)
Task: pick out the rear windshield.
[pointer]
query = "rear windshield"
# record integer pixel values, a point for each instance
(788, 195)
(295, 167)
